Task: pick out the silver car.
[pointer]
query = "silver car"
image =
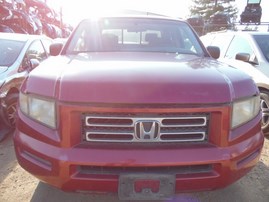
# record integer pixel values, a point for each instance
(252, 48)
(19, 54)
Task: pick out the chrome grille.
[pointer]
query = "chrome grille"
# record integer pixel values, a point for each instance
(145, 128)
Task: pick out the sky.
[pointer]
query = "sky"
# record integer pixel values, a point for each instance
(75, 10)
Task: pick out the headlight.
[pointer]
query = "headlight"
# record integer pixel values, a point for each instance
(245, 110)
(39, 109)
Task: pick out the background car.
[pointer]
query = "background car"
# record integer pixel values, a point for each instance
(32, 17)
(4, 28)
(253, 49)
(197, 22)
(218, 21)
(19, 54)
(252, 12)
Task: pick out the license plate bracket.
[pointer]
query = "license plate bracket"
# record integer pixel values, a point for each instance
(146, 186)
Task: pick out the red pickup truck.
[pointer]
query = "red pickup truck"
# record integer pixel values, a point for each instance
(137, 106)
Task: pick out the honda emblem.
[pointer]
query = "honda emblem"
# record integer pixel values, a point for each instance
(147, 130)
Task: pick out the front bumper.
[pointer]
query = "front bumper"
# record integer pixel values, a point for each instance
(98, 170)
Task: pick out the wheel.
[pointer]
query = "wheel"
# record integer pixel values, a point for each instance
(265, 111)
(11, 110)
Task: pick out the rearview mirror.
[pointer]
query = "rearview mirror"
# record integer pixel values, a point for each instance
(214, 51)
(55, 49)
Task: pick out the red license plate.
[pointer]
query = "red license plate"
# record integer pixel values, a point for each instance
(146, 186)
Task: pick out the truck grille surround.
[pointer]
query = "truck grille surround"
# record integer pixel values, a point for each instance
(113, 127)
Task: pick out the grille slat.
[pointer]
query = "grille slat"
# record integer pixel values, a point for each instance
(193, 169)
(109, 136)
(109, 121)
(145, 128)
(183, 137)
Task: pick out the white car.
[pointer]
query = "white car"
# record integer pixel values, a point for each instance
(19, 54)
(249, 51)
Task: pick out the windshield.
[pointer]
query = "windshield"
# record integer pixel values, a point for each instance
(134, 34)
(263, 43)
(254, 1)
(10, 51)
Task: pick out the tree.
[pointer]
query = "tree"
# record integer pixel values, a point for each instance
(207, 8)
(218, 14)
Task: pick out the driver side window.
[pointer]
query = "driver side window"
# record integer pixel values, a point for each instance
(35, 51)
(239, 45)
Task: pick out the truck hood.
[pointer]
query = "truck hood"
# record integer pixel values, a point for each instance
(138, 78)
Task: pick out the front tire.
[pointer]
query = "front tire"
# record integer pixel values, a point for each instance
(11, 110)
(265, 111)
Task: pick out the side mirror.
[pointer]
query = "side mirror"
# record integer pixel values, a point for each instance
(243, 57)
(55, 49)
(34, 63)
(214, 51)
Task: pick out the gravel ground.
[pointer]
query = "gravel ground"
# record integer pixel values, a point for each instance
(18, 185)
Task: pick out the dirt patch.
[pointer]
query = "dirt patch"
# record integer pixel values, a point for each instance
(18, 185)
